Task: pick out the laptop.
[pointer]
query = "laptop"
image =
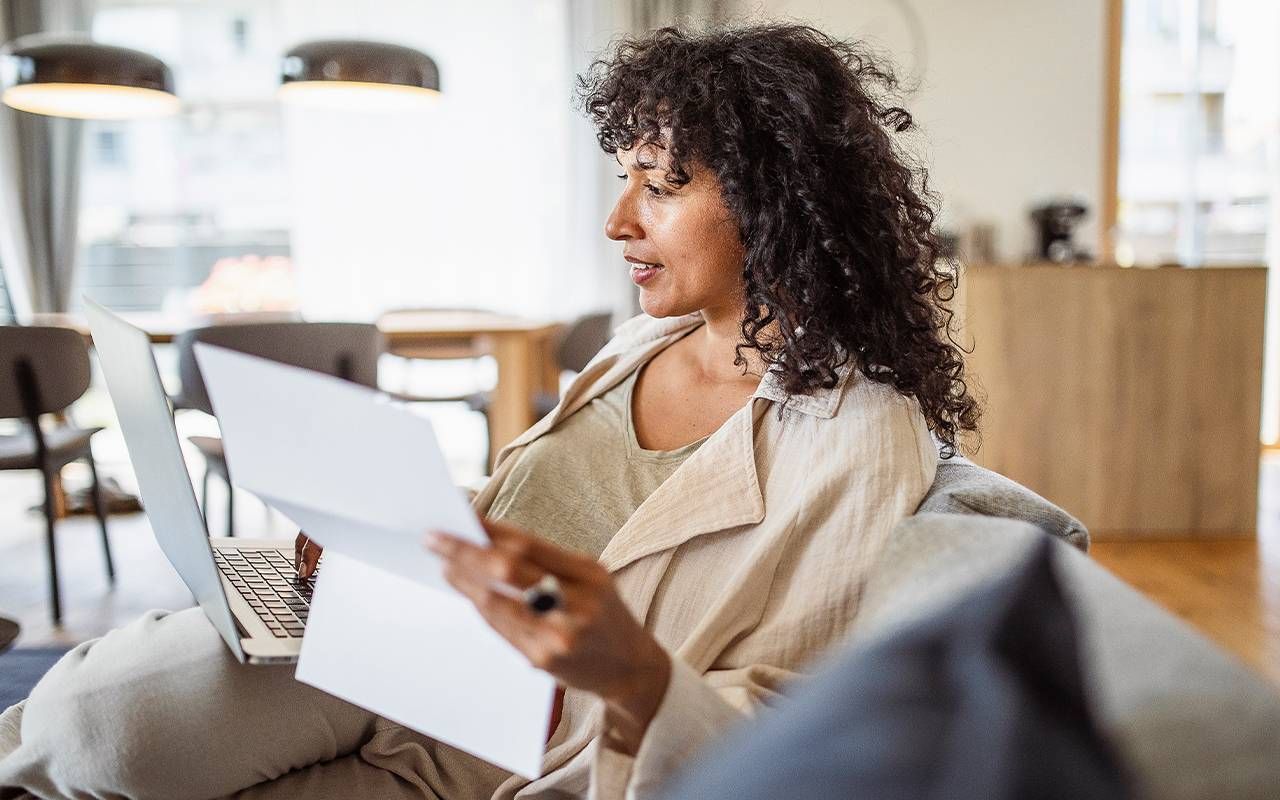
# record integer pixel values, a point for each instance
(247, 587)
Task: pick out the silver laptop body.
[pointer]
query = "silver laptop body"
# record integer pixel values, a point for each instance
(247, 587)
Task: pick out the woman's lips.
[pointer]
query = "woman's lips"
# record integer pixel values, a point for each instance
(643, 273)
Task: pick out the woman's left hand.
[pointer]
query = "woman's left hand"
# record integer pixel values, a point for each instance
(589, 642)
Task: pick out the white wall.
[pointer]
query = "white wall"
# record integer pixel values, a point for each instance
(1011, 99)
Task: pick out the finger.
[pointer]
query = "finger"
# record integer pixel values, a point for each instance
(299, 544)
(531, 548)
(486, 565)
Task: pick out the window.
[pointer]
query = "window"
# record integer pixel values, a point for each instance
(1199, 84)
(163, 201)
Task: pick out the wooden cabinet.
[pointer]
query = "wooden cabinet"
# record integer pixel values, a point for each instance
(1130, 397)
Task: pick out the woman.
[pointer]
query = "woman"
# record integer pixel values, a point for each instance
(710, 494)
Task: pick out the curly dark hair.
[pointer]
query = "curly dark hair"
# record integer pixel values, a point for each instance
(836, 220)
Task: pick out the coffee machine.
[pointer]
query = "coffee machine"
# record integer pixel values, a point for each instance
(1056, 222)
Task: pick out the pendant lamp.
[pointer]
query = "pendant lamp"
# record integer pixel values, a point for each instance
(358, 75)
(74, 76)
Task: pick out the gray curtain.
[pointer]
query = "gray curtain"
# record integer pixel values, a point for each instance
(39, 177)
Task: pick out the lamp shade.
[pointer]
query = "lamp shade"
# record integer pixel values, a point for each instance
(73, 76)
(344, 73)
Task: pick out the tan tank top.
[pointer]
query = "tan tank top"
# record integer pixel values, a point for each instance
(579, 483)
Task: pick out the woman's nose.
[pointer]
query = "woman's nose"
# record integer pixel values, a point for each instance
(621, 224)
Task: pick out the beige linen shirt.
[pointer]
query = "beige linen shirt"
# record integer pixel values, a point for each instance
(746, 564)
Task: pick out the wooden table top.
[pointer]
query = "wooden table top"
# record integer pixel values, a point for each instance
(426, 323)
(398, 326)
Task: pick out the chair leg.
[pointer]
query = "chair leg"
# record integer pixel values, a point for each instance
(100, 511)
(55, 596)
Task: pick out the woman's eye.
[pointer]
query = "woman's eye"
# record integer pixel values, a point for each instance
(656, 191)
(623, 176)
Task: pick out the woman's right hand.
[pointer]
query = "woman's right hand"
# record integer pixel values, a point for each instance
(305, 555)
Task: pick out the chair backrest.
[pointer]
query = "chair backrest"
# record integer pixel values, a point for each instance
(582, 340)
(347, 350)
(51, 364)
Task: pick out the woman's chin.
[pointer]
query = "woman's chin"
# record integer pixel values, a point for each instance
(655, 305)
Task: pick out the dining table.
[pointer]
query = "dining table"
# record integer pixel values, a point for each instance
(522, 347)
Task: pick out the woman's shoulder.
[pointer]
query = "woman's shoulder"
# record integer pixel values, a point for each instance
(856, 419)
(868, 403)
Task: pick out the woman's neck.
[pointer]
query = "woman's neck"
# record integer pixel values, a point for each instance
(716, 347)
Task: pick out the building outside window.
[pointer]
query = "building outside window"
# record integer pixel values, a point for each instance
(1200, 90)
(164, 201)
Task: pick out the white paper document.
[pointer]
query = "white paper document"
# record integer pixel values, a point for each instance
(426, 659)
(366, 479)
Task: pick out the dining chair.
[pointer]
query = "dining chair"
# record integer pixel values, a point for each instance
(580, 341)
(43, 370)
(346, 350)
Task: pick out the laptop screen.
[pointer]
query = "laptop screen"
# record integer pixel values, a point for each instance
(146, 420)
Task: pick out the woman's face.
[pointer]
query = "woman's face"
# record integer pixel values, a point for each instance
(681, 242)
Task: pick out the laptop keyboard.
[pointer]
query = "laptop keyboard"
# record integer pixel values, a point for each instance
(269, 583)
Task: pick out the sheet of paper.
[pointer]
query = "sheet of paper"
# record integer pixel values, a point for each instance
(426, 659)
(366, 479)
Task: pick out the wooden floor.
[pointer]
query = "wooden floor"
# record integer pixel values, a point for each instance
(1228, 589)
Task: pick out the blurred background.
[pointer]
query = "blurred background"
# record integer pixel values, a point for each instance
(1107, 172)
